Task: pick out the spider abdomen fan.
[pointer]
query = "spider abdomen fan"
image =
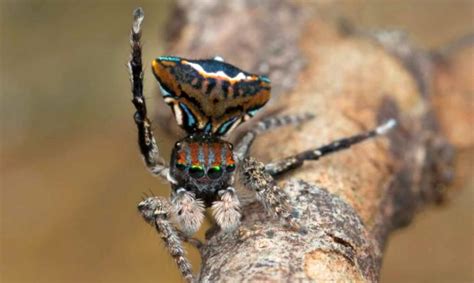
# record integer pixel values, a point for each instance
(209, 96)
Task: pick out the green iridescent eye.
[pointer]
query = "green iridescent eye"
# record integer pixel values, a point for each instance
(196, 171)
(180, 166)
(214, 172)
(230, 168)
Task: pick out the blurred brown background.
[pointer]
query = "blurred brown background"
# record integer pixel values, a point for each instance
(71, 174)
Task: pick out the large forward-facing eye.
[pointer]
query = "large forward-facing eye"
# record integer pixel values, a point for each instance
(214, 172)
(196, 171)
(180, 166)
(230, 168)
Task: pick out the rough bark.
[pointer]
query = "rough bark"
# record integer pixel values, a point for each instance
(352, 81)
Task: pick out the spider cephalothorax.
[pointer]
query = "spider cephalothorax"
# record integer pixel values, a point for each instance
(209, 98)
(202, 165)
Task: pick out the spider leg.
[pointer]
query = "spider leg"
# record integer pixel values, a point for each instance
(146, 141)
(282, 166)
(267, 124)
(226, 210)
(156, 211)
(273, 198)
(188, 212)
(193, 241)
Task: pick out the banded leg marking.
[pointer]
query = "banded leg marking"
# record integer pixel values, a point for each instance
(146, 140)
(282, 166)
(273, 198)
(157, 211)
(267, 124)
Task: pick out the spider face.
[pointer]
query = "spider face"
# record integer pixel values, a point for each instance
(202, 165)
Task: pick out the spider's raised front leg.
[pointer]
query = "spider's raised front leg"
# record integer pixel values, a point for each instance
(274, 199)
(146, 141)
(282, 166)
(267, 124)
(157, 212)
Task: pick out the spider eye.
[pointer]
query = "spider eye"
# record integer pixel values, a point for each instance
(214, 172)
(180, 166)
(196, 171)
(230, 168)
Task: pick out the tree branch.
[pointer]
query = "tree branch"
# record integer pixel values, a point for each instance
(352, 81)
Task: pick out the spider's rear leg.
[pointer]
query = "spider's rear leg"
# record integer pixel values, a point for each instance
(273, 198)
(226, 210)
(146, 141)
(282, 166)
(267, 124)
(157, 211)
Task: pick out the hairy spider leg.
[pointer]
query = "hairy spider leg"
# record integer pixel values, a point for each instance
(277, 168)
(226, 210)
(267, 124)
(157, 211)
(146, 140)
(274, 199)
(188, 212)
